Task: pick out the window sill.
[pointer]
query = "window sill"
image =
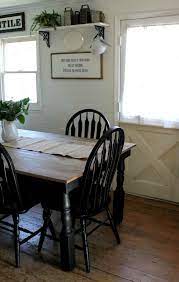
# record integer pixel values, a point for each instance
(147, 126)
(35, 107)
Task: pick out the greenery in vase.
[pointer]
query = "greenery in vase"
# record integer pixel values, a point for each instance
(46, 19)
(10, 110)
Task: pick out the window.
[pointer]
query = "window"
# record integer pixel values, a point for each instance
(19, 75)
(150, 71)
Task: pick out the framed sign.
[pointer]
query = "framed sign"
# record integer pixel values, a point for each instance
(12, 22)
(83, 65)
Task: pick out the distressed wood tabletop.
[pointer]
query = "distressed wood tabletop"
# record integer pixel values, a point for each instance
(50, 167)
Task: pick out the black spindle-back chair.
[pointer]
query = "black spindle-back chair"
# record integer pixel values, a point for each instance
(87, 123)
(95, 188)
(97, 179)
(99, 171)
(12, 201)
(10, 196)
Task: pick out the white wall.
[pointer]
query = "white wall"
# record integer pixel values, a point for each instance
(61, 98)
(9, 3)
(117, 7)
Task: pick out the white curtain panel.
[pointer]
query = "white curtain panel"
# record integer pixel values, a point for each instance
(151, 75)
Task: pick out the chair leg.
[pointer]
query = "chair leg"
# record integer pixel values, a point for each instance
(85, 244)
(113, 226)
(46, 218)
(52, 229)
(73, 222)
(16, 239)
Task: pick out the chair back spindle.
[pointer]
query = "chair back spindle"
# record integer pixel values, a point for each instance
(87, 123)
(99, 171)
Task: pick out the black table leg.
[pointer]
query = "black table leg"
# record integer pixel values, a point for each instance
(67, 237)
(119, 194)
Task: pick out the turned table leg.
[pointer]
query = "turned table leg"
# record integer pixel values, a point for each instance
(67, 236)
(119, 194)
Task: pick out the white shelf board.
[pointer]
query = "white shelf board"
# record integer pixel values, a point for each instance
(74, 26)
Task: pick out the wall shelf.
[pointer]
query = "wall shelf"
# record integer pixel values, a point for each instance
(76, 26)
(45, 32)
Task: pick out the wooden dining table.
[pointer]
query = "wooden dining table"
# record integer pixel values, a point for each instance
(65, 173)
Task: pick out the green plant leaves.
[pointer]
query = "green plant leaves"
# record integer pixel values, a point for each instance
(21, 119)
(46, 19)
(10, 110)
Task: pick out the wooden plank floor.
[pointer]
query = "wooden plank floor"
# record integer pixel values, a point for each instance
(149, 250)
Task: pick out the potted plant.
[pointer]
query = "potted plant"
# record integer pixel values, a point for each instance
(9, 112)
(46, 19)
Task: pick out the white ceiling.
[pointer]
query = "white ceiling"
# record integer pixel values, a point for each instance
(8, 3)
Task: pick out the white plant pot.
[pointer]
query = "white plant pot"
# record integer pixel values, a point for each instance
(9, 131)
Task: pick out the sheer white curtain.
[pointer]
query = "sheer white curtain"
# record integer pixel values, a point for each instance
(150, 90)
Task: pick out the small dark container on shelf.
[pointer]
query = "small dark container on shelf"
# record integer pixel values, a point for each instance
(85, 14)
(97, 16)
(68, 16)
(76, 17)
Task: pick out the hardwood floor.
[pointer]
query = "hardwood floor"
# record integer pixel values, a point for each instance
(149, 250)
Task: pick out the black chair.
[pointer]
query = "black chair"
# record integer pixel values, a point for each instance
(87, 123)
(95, 187)
(15, 198)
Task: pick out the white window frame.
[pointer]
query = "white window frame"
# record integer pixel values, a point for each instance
(3, 41)
(121, 27)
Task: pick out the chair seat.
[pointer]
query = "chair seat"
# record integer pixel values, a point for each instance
(8, 209)
(18, 193)
(31, 192)
(55, 203)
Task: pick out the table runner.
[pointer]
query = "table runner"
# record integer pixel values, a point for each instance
(74, 148)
